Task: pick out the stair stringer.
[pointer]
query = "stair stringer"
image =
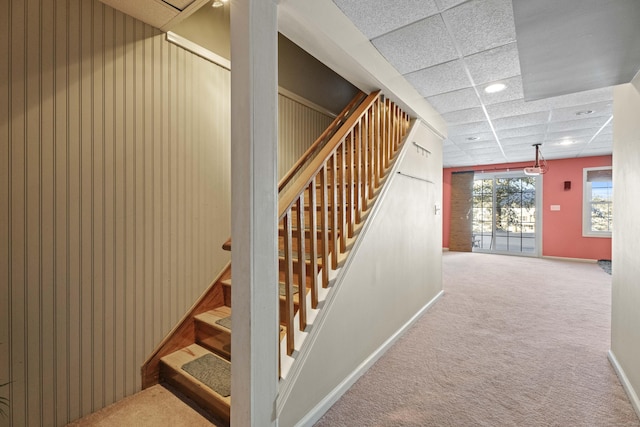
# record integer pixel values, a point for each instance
(393, 273)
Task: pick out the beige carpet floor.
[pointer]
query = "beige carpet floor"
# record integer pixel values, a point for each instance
(156, 406)
(513, 342)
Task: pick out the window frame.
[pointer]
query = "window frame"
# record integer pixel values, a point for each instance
(587, 201)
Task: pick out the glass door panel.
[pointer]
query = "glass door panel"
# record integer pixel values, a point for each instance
(504, 214)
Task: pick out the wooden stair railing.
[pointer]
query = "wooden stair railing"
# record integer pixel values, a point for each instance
(339, 184)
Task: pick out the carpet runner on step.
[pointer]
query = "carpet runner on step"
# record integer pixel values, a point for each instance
(212, 371)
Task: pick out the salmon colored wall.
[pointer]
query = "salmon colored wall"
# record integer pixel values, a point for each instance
(561, 230)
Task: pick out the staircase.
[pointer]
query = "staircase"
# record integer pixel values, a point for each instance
(323, 203)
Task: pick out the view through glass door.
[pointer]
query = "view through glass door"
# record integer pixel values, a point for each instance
(505, 216)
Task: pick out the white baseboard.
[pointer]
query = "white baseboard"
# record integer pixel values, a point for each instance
(631, 393)
(323, 406)
(561, 258)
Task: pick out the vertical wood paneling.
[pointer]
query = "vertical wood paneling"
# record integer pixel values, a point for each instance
(47, 191)
(298, 127)
(5, 196)
(114, 200)
(97, 194)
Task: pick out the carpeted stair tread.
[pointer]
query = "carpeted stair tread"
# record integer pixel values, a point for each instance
(171, 371)
(212, 371)
(225, 322)
(212, 317)
(282, 290)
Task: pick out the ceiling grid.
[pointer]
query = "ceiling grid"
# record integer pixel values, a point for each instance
(451, 50)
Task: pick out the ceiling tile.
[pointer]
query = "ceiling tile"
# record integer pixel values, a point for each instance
(595, 122)
(464, 116)
(608, 129)
(524, 149)
(595, 151)
(456, 100)
(440, 78)
(419, 45)
(495, 64)
(571, 134)
(603, 139)
(375, 17)
(527, 141)
(599, 109)
(462, 139)
(479, 145)
(469, 129)
(521, 121)
(522, 131)
(581, 98)
(447, 4)
(480, 25)
(514, 108)
(486, 155)
(512, 92)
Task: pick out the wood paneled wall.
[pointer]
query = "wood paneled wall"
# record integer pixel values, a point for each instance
(298, 127)
(114, 200)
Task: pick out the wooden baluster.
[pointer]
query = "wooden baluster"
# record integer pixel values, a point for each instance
(371, 155)
(288, 282)
(395, 130)
(324, 225)
(358, 181)
(301, 270)
(364, 135)
(342, 217)
(313, 242)
(378, 142)
(387, 134)
(349, 181)
(385, 137)
(400, 128)
(334, 210)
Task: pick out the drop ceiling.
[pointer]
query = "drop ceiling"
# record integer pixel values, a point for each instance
(451, 50)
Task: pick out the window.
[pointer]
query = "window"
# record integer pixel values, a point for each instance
(597, 202)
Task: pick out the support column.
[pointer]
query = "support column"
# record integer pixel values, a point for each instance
(254, 197)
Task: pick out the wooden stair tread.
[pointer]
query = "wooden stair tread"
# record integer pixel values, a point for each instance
(212, 316)
(198, 391)
(227, 282)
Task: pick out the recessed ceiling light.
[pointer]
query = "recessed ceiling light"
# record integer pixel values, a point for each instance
(496, 87)
(567, 142)
(473, 138)
(584, 112)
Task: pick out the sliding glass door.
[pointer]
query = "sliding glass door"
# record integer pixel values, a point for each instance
(505, 218)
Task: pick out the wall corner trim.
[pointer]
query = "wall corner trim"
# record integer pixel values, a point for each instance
(323, 406)
(626, 384)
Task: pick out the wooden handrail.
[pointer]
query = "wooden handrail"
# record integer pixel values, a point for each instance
(335, 124)
(290, 195)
